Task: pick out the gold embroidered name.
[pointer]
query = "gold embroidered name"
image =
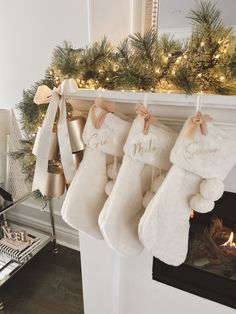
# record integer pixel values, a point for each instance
(194, 151)
(143, 148)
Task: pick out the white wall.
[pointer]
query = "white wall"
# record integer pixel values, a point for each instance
(114, 15)
(29, 31)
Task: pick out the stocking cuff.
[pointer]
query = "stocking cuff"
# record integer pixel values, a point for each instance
(110, 137)
(210, 154)
(152, 148)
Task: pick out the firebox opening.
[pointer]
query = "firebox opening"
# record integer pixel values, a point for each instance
(210, 267)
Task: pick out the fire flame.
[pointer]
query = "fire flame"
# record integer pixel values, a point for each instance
(192, 213)
(230, 241)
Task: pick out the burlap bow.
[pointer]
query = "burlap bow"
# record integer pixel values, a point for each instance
(106, 106)
(56, 100)
(148, 118)
(199, 121)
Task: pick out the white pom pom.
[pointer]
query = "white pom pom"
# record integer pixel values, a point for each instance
(110, 171)
(212, 189)
(109, 187)
(147, 198)
(158, 182)
(200, 204)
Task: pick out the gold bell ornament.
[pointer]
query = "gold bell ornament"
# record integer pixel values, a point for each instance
(75, 129)
(54, 148)
(54, 184)
(77, 157)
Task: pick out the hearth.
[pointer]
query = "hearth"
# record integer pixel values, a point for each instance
(210, 268)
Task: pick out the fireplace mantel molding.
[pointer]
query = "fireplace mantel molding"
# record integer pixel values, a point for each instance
(169, 107)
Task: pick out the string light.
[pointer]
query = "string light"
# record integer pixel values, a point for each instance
(165, 59)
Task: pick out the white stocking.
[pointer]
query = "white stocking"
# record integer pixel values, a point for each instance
(194, 181)
(86, 195)
(122, 211)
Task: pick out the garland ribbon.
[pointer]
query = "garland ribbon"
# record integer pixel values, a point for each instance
(57, 103)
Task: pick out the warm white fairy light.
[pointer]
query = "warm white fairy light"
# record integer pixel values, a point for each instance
(165, 59)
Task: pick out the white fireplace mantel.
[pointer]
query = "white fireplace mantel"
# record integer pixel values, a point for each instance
(171, 107)
(116, 285)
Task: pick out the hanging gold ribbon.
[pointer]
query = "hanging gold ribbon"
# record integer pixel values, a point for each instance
(56, 100)
(148, 118)
(106, 107)
(199, 121)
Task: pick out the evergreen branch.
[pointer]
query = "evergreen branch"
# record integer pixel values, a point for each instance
(145, 46)
(65, 60)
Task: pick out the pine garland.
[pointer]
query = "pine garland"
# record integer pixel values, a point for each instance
(205, 62)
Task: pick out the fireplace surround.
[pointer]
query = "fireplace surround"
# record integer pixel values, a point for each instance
(210, 268)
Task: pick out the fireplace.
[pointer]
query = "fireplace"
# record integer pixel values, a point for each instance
(210, 268)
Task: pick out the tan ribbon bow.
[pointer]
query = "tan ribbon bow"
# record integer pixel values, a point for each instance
(200, 121)
(148, 118)
(57, 101)
(106, 106)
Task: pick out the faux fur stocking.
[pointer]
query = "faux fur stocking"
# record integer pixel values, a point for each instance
(202, 157)
(144, 149)
(104, 133)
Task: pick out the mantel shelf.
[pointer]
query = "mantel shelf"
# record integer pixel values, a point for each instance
(167, 106)
(156, 98)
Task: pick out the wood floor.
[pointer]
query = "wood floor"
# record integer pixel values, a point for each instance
(49, 284)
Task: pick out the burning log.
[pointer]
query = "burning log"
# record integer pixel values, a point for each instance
(212, 244)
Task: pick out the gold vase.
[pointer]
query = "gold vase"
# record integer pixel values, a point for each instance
(75, 130)
(77, 157)
(54, 184)
(54, 148)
